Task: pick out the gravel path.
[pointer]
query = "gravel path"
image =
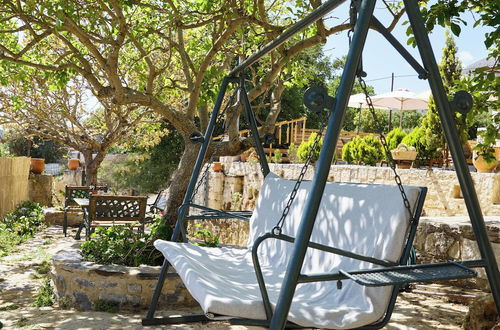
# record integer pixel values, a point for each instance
(19, 282)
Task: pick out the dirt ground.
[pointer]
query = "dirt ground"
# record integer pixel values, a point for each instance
(19, 283)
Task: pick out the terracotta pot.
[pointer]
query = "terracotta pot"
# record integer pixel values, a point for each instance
(217, 167)
(73, 164)
(37, 165)
(481, 165)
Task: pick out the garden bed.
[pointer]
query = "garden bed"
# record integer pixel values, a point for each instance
(87, 285)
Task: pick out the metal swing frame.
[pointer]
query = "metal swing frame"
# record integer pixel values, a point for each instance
(429, 70)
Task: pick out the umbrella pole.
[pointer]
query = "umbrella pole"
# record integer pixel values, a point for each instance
(359, 118)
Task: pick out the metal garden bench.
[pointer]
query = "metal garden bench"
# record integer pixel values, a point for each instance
(72, 192)
(106, 211)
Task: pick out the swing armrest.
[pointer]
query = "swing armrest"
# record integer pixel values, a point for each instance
(216, 214)
(260, 277)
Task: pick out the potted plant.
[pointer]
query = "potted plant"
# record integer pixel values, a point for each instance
(486, 155)
(37, 165)
(404, 155)
(73, 164)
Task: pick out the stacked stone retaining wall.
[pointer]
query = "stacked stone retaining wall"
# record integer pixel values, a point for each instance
(84, 283)
(443, 197)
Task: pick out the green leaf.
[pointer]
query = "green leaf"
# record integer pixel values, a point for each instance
(455, 28)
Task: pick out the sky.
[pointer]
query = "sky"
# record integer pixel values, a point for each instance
(380, 59)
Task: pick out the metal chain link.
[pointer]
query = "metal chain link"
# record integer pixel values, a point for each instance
(278, 227)
(218, 121)
(387, 152)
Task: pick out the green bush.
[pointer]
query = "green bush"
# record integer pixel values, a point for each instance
(305, 146)
(394, 138)
(367, 150)
(122, 245)
(25, 220)
(416, 139)
(277, 157)
(292, 153)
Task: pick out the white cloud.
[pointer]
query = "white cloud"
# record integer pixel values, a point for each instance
(466, 57)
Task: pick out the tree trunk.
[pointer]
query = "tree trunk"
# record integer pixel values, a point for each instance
(180, 181)
(92, 166)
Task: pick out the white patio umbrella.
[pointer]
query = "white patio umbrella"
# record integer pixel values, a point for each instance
(400, 99)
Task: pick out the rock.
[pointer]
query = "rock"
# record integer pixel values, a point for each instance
(482, 315)
(53, 216)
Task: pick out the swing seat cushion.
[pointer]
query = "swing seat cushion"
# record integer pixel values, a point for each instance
(366, 219)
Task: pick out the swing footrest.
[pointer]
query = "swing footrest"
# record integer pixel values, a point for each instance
(411, 273)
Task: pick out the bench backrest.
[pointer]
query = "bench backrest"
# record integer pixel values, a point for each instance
(72, 192)
(367, 219)
(117, 208)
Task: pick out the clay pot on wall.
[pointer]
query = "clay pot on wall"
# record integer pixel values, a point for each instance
(217, 167)
(37, 165)
(73, 164)
(481, 165)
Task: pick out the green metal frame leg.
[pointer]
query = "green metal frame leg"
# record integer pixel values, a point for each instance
(287, 291)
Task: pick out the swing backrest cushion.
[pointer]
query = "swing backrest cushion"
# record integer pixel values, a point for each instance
(367, 219)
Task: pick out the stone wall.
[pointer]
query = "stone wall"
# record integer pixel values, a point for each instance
(53, 216)
(443, 238)
(41, 187)
(443, 198)
(83, 283)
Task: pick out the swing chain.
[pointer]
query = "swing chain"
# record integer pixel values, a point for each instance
(278, 227)
(387, 152)
(204, 175)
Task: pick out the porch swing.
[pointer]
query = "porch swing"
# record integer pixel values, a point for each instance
(336, 257)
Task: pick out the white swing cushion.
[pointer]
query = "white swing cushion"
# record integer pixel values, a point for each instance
(370, 220)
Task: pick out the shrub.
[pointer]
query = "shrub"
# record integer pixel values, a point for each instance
(416, 139)
(25, 220)
(122, 245)
(305, 146)
(45, 295)
(292, 153)
(145, 171)
(367, 150)
(394, 138)
(278, 156)
(208, 239)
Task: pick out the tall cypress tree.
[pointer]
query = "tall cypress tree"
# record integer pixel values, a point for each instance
(450, 69)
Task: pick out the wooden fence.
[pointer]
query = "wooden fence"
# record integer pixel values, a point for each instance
(14, 173)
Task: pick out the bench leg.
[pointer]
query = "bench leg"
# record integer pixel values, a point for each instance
(65, 222)
(78, 233)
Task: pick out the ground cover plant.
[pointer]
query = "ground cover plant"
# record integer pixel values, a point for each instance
(19, 225)
(122, 245)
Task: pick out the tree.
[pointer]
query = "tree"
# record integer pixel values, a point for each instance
(61, 115)
(166, 56)
(451, 70)
(483, 83)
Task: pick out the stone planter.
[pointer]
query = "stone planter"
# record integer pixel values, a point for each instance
(404, 159)
(73, 164)
(404, 155)
(37, 165)
(83, 283)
